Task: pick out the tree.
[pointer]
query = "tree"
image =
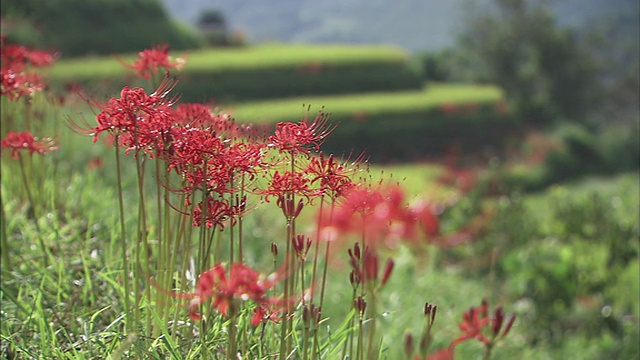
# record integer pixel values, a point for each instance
(545, 71)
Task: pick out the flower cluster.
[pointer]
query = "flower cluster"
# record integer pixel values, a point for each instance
(239, 283)
(379, 214)
(16, 77)
(24, 141)
(218, 165)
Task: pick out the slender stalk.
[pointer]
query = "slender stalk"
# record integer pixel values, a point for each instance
(326, 258)
(316, 249)
(285, 319)
(372, 346)
(123, 242)
(487, 351)
(233, 344)
(240, 217)
(6, 259)
(25, 181)
(163, 244)
(360, 347)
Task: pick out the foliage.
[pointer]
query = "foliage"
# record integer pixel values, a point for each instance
(575, 152)
(546, 72)
(575, 246)
(76, 27)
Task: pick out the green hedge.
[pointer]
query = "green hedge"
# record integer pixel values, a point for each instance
(406, 125)
(268, 71)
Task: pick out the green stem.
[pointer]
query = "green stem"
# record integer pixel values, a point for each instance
(326, 258)
(233, 344)
(125, 257)
(316, 250)
(25, 181)
(6, 259)
(487, 351)
(372, 346)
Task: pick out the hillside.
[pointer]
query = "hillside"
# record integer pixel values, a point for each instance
(411, 24)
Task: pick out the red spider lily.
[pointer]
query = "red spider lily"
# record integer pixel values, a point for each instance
(17, 84)
(25, 141)
(138, 118)
(245, 157)
(333, 177)
(150, 60)
(40, 58)
(191, 147)
(425, 215)
(289, 209)
(198, 156)
(301, 246)
(287, 184)
(303, 136)
(216, 213)
(477, 319)
(267, 312)
(202, 116)
(374, 213)
(239, 283)
(16, 80)
(17, 57)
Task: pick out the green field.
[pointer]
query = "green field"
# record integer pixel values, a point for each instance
(96, 242)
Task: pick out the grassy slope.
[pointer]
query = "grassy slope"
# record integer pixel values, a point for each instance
(218, 60)
(431, 96)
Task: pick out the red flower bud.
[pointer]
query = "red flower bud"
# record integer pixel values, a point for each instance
(387, 272)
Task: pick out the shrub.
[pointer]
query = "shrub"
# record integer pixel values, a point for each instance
(618, 146)
(77, 27)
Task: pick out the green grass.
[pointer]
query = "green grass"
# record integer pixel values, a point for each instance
(73, 308)
(399, 102)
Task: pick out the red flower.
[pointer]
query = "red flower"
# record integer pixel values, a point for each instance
(16, 80)
(202, 116)
(375, 213)
(333, 177)
(150, 60)
(288, 183)
(140, 119)
(25, 141)
(18, 57)
(240, 283)
(17, 84)
(217, 212)
(425, 215)
(300, 137)
(40, 58)
(478, 325)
